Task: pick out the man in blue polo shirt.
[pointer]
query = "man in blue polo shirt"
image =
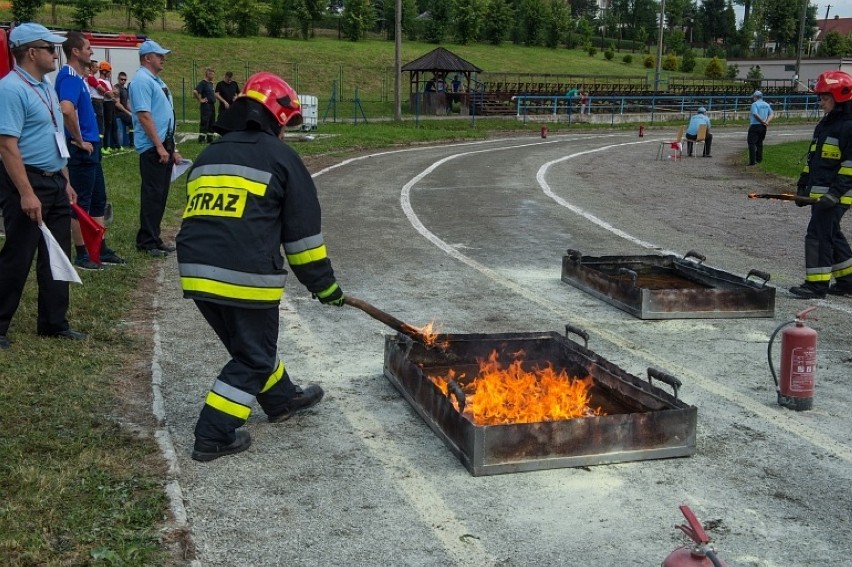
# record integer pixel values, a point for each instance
(154, 126)
(761, 115)
(34, 187)
(84, 145)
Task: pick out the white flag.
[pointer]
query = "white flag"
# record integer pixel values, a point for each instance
(60, 266)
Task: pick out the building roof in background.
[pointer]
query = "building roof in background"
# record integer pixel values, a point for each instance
(842, 26)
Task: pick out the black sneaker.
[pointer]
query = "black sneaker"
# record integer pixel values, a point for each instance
(204, 452)
(85, 263)
(841, 290)
(110, 257)
(154, 252)
(301, 400)
(806, 292)
(166, 247)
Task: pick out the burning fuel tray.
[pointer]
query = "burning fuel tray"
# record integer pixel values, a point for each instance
(642, 421)
(667, 287)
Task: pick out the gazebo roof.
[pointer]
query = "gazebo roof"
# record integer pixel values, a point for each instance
(440, 59)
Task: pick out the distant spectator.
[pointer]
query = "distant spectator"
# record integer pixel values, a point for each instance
(205, 94)
(585, 108)
(226, 91)
(761, 115)
(122, 108)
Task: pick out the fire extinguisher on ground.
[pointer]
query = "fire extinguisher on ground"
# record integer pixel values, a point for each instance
(544, 131)
(701, 554)
(798, 363)
(641, 130)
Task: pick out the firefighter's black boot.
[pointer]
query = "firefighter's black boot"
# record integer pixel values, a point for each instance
(303, 399)
(208, 451)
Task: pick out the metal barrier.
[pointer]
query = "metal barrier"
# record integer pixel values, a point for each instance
(658, 107)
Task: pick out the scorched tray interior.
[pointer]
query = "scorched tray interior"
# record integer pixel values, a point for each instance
(643, 421)
(668, 287)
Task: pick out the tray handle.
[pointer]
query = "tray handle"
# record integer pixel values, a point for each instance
(633, 276)
(665, 377)
(454, 389)
(697, 255)
(569, 328)
(762, 275)
(574, 255)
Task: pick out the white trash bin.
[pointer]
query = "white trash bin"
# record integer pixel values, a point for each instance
(310, 111)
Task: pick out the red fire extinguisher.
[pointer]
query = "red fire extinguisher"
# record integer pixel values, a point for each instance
(798, 363)
(641, 130)
(700, 554)
(544, 131)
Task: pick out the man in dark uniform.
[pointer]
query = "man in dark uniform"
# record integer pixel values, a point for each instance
(828, 178)
(247, 195)
(206, 97)
(226, 91)
(34, 187)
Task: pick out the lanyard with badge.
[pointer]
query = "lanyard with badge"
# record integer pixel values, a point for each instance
(57, 134)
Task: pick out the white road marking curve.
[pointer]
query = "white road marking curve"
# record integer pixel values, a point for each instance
(778, 418)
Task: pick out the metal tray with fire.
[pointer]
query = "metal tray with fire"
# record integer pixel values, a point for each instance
(668, 287)
(514, 402)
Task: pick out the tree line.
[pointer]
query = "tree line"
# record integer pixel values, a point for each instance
(708, 24)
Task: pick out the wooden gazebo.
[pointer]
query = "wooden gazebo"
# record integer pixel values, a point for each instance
(431, 79)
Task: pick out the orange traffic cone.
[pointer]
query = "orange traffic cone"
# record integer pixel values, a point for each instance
(93, 233)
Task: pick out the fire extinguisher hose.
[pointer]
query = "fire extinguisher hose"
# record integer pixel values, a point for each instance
(769, 352)
(711, 555)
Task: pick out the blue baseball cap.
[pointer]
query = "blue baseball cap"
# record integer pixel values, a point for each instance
(151, 46)
(702, 110)
(30, 32)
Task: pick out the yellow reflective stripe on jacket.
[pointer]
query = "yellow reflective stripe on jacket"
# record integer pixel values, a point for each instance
(274, 378)
(308, 256)
(230, 290)
(328, 291)
(225, 405)
(230, 175)
(831, 148)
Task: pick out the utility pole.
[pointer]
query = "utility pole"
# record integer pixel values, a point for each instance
(397, 63)
(660, 46)
(801, 38)
(827, 8)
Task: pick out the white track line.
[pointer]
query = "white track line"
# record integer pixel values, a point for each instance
(779, 419)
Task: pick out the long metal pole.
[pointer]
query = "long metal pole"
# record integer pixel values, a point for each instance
(801, 38)
(397, 66)
(660, 46)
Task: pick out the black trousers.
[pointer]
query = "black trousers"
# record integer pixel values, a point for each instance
(23, 239)
(156, 178)
(756, 135)
(251, 338)
(110, 127)
(208, 116)
(825, 246)
(708, 141)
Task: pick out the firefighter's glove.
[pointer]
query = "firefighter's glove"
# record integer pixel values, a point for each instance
(332, 295)
(825, 202)
(802, 191)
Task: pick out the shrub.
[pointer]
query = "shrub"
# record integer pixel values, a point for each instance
(733, 71)
(592, 51)
(627, 59)
(687, 65)
(609, 55)
(204, 18)
(715, 69)
(670, 62)
(650, 62)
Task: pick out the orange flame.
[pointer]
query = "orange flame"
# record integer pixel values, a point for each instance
(752, 195)
(430, 332)
(501, 395)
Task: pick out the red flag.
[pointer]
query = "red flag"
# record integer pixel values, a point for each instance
(93, 233)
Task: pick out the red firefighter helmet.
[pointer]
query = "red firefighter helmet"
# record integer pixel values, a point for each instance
(276, 95)
(836, 83)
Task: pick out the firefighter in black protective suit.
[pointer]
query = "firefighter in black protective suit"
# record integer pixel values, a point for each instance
(827, 176)
(247, 195)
